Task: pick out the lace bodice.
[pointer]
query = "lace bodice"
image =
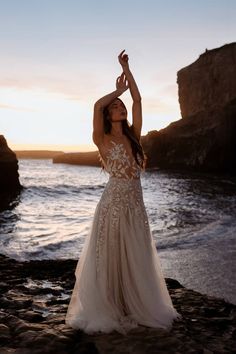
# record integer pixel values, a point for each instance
(118, 163)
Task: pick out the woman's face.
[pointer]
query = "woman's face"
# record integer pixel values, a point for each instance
(117, 111)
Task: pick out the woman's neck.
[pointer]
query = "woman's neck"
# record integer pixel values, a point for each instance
(117, 131)
(117, 135)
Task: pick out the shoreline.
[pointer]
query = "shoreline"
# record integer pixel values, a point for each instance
(34, 296)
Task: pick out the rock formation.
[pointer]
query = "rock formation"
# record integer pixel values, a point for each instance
(204, 139)
(209, 83)
(34, 303)
(9, 176)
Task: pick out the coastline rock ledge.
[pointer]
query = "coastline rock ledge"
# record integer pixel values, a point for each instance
(34, 297)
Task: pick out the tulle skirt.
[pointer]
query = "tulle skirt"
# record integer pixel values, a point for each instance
(119, 282)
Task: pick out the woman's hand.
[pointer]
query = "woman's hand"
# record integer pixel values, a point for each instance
(123, 59)
(122, 83)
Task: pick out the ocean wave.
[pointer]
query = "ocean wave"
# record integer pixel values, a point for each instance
(59, 189)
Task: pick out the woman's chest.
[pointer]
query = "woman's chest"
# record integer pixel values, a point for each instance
(119, 160)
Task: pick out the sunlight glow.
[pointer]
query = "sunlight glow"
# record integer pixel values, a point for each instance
(55, 117)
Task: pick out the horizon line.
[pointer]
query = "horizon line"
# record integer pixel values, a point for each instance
(53, 147)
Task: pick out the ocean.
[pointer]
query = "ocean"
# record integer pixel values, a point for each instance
(192, 217)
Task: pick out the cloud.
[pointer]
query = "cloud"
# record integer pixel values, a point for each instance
(171, 90)
(82, 87)
(155, 105)
(15, 108)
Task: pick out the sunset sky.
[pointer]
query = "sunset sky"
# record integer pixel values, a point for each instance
(59, 56)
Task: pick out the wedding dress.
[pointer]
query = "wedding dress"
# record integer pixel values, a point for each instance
(119, 282)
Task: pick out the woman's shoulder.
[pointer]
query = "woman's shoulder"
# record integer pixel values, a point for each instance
(104, 145)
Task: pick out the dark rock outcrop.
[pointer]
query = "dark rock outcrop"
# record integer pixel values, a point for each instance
(204, 139)
(34, 297)
(9, 177)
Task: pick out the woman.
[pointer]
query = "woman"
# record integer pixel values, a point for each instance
(119, 283)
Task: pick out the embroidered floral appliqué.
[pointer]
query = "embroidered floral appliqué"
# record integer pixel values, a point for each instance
(119, 195)
(119, 164)
(123, 192)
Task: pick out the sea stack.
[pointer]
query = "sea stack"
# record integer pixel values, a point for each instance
(204, 138)
(9, 176)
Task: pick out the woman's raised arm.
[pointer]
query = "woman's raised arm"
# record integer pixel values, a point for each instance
(134, 91)
(98, 125)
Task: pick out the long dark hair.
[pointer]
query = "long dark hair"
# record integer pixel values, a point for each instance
(127, 130)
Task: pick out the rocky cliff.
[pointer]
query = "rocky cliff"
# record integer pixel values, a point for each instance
(209, 83)
(9, 176)
(204, 139)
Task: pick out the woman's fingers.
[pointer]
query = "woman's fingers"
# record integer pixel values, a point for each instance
(123, 78)
(122, 81)
(123, 57)
(121, 53)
